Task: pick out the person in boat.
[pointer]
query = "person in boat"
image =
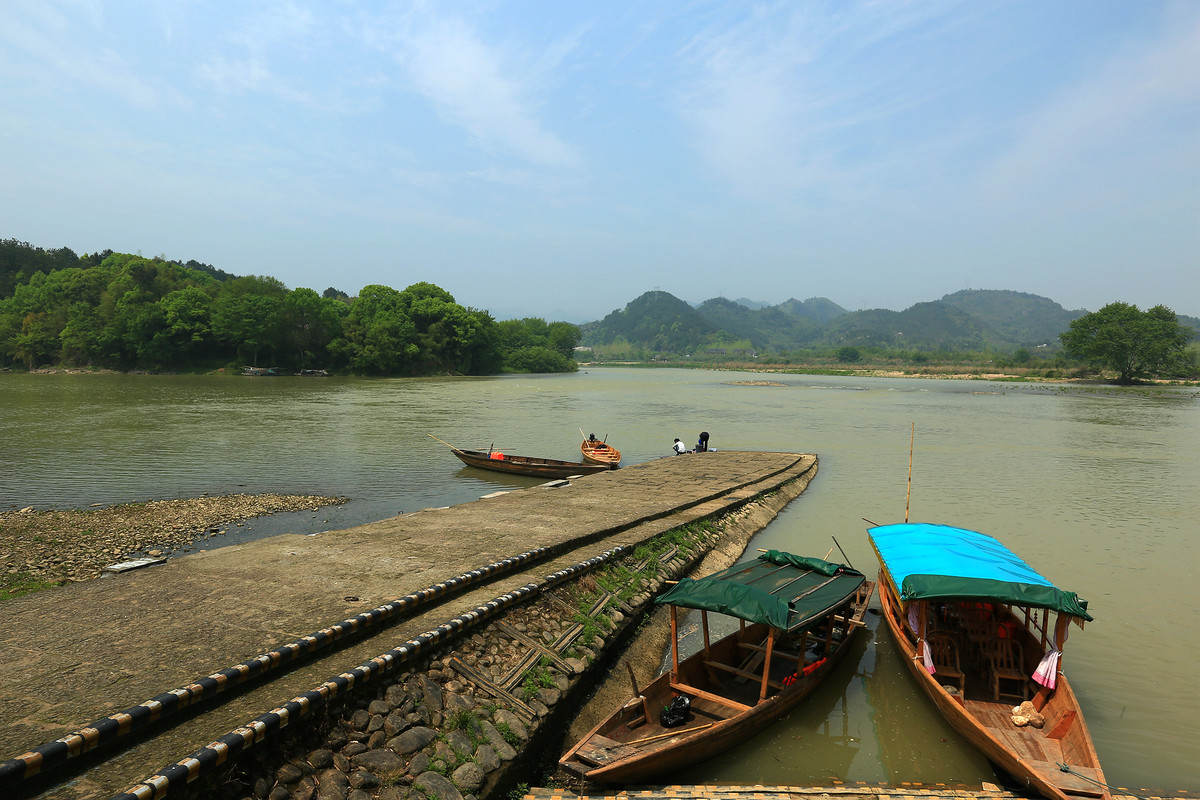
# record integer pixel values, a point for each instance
(679, 447)
(702, 445)
(596, 443)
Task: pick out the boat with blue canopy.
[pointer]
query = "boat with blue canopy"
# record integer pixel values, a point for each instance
(983, 633)
(796, 619)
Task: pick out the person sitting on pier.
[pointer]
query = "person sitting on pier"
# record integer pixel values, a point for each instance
(679, 447)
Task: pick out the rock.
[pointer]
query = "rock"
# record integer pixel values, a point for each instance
(547, 697)
(503, 715)
(502, 748)
(362, 779)
(306, 789)
(394, 724)
(461, 742)
(576, 665)
(353, 749)
(379, 707)
(432, 693)
(262, 788)
(487, 758)
(418, 765)
(412, 740)
(288, 774)
(360, 719)
(320, 759)
(437, 787)
(358, 794)
(383, 763)
(468, 777)
(279, 793)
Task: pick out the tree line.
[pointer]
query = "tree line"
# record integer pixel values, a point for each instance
(127, 312)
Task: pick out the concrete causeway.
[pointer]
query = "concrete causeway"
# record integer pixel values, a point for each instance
(84, 651)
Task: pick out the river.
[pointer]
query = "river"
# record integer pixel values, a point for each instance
(1096, 487)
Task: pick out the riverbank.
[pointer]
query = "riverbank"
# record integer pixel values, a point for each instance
(50, 548)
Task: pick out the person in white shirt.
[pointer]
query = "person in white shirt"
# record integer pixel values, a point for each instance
(679, 447)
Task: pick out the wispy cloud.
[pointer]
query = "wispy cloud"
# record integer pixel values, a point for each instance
(493, 92)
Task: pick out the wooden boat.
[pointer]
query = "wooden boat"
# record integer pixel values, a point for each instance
(526, 465)
(596, 451)
(974, 623)
(797, 616)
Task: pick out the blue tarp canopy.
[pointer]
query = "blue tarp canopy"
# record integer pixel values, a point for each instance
(940, 562)
(780, 589)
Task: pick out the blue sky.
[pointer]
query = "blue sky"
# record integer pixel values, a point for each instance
(559, 159)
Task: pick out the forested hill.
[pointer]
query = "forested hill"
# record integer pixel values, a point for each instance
(121, 311)
(977, 319)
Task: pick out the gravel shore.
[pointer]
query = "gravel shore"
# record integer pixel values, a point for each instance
(39, 549)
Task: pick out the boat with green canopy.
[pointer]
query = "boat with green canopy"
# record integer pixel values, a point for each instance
(796, 619)
(983, 633)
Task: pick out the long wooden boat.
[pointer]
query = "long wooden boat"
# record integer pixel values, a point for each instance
(798, 617)
(983, 634)
(596, 451)
(525, 465)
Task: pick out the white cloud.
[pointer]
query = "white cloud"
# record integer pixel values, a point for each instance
(492, 93)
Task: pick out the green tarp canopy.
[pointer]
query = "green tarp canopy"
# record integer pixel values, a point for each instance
(940, 562)
(780, 589)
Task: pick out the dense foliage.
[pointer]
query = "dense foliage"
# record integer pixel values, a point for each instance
(1133, 343)
(122, 311)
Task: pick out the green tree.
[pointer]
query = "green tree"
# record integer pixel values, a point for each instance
(1135, 344)
(849, 355)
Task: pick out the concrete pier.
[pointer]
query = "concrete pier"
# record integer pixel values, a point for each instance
(85, 651)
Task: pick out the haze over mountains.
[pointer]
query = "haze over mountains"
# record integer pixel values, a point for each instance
(971, 319)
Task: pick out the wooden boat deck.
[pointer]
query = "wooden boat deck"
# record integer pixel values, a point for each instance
(1040, 748)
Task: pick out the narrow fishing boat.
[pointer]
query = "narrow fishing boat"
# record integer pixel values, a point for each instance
(597, 451)
(975, 625)
(526, 465)
(798, 617)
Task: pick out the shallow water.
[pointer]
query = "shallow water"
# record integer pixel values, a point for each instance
(1095, 487)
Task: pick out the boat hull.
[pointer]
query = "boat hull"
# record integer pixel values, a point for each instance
(1064, 739)
(638, 749)
(600, 453)
(548, 468)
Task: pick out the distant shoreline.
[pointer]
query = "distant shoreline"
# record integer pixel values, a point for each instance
(959, 373)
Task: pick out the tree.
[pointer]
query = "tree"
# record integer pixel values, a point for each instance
(1135, 344)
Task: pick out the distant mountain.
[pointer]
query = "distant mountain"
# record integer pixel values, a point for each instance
(768, 327)
(754, 305)
(821, 309)
(1022, 319)
(967, 320)
(924, 326)
(658, 321)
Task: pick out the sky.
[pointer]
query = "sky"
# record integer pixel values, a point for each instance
(559, 159)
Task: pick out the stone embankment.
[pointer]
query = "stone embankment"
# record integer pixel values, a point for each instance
(487, 713)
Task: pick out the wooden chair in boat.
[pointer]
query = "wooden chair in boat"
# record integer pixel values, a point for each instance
(979, 630)
(943, 649)
(1007, 662)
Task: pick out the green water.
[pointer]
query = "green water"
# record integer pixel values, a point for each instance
(1096, 488)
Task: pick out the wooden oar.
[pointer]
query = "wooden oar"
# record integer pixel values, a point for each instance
(645, 739)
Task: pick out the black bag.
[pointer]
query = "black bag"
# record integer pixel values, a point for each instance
(677, 713)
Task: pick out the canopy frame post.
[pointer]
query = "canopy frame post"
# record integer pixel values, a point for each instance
(762, 695)
(674, 646)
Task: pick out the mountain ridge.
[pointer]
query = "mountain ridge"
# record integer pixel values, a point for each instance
(969, 319)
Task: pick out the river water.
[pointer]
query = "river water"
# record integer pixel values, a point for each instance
(1097, 488)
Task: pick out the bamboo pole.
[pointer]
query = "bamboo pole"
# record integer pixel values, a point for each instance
(645, 739)
(908, 494)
